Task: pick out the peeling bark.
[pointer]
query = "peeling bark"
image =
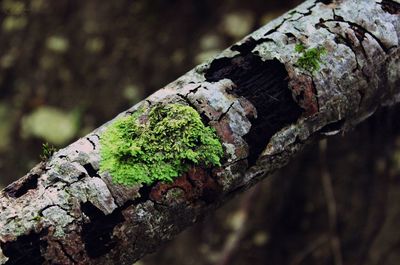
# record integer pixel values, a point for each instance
(264, 107)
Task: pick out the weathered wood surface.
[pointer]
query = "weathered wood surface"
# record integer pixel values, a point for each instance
(264, 106)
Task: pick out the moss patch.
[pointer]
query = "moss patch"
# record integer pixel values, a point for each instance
(311, 58)
(158, 147)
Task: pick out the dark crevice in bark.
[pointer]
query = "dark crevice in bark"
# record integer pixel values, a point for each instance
(144, 192)
(360, 92)
(265, 85)
(390, 7)
(315, 92)
(325, 2)
(225, 113)
(91, 171)
(206, 120)
(337, 17)
(248, 45)
(351, 44)
(276, 28)
(97, 234)
(40, 213)
(290, 35)
(360, 32)
(91, 142)
(17, 189)
(309, 12)
(300, 31)
(332, 127)
(210, 196)
(194, 90)
(25, 250)
(339, 39)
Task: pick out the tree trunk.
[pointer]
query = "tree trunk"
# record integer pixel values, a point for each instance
(318, 70)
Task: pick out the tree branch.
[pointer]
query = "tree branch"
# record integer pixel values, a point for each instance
(318, 70)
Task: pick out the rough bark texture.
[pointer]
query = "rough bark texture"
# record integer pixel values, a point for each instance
(264, 106)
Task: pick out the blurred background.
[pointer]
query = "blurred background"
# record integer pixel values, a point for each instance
(68, 66)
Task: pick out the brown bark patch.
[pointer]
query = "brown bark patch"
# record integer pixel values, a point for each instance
(305, 94)
(191, 186)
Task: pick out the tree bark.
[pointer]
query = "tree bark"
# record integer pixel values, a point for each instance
(318, 70)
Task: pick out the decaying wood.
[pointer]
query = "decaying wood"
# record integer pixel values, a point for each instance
(265, 108)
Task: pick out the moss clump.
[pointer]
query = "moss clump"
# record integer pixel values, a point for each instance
(310, 58)
(47, 151)
(139, 149)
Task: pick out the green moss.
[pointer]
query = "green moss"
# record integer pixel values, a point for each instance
(37, 218)
(47, 151)
(159, 147)
(300, 47)
(311, 58)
